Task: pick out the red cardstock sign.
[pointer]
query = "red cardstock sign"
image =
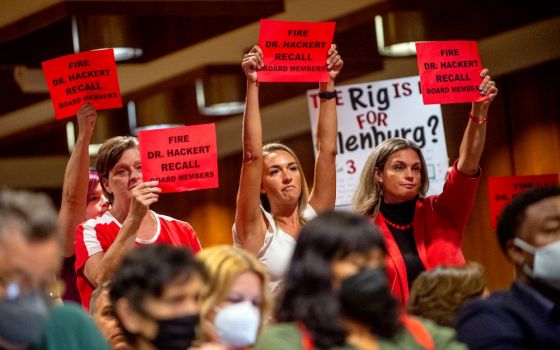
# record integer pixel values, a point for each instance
(184, 158)
(295, 51)
(83, 77)
(502, 189)
(449, 72)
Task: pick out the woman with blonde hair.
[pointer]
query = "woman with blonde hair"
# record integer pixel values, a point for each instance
(438, 294)
(273, 201)
(422, 232)
(236, 301)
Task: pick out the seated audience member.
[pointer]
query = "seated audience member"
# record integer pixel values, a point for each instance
(103, 314)
(527, 316)
(235, 302)
(336, 294)
(102, 242)
(79, 204)
(155, 294)
(30, 252)
(438, 294)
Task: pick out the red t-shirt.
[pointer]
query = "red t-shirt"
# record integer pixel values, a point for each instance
(97, 235)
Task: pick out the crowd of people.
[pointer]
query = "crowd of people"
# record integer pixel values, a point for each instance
(388, 275)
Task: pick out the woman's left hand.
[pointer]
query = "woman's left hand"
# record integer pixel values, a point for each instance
(334, 62)
(487, 88)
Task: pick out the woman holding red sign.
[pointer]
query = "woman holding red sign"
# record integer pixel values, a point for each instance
(423, 232)
(102, 242)
(79, 205)
(273, 201)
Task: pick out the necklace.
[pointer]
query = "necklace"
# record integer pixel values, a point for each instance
(396, 226)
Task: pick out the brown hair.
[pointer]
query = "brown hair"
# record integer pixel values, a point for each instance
(304, 196)
(109, 154)
(438, 294)
(369, 193)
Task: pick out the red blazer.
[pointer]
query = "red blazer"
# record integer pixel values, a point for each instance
(438, 224)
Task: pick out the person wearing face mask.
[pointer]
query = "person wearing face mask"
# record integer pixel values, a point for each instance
(30, 251)
(155, 294)
(527, 316)
(236, 301)
(101, 243)
(337, 296)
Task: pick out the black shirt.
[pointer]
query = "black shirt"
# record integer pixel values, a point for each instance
(403, 214)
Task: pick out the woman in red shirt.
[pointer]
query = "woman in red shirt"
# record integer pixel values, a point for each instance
(422, 232)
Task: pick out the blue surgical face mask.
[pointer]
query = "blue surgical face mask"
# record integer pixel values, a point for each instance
(238, 324)
(545, 264)
(23, 316)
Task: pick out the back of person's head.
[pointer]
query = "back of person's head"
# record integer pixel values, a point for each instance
(367, 197)
(225, 264)
(439, 293)
(31, 214)
(513, 215)
(309, 295)
(303, 198)
(109, 154)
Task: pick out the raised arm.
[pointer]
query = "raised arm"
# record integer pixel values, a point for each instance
(100, 267)
(76, 179)
(249, 222)
(472, 144)
(323, 193)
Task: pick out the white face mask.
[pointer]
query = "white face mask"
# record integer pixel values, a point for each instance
(545, 264)
(238, 324)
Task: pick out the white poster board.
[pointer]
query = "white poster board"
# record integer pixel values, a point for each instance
(369, 113)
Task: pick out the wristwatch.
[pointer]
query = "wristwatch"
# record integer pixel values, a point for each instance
(327, 95)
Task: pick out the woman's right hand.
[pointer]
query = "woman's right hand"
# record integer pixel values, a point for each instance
(252, 61)
(143, 196)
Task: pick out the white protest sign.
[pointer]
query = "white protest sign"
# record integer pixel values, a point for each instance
(369, 113)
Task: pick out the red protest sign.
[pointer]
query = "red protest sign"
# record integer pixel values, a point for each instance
(295, 51)
(502, 189)
(83, 77)
(449, 71)
(184, 158)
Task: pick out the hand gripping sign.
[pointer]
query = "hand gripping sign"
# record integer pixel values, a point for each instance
(184, 158)
(449, 71)
(83, 77)
(295, 51)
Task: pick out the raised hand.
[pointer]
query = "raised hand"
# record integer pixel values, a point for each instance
(252, 61)
(334, 62)
(487, 88)
(87, 115)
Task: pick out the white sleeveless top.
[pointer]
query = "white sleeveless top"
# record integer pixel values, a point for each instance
(278, 247)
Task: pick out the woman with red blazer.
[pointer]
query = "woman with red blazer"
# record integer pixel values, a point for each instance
(422, 232)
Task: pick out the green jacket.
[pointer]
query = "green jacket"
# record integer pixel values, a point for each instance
(70, 328)
(286, 336)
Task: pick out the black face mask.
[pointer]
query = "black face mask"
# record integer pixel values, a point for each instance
(365, 297)
(176, 333)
